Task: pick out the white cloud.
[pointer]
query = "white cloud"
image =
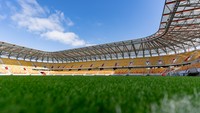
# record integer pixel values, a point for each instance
(69, 22)
(37, 19)
(89, 44)
(67, 38)
(38, 24)
(31, 8)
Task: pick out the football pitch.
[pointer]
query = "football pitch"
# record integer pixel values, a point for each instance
(113, 94)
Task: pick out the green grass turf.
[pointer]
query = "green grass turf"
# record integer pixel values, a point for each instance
(68, 94)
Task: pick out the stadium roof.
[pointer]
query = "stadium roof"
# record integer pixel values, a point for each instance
(179, 31)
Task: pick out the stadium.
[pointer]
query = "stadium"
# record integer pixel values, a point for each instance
(172, 51)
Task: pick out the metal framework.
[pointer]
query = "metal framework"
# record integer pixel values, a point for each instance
(179, 31)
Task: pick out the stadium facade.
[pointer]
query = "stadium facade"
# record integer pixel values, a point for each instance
(173, 48)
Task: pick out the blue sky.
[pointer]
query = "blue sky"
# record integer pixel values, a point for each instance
(53, 25)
